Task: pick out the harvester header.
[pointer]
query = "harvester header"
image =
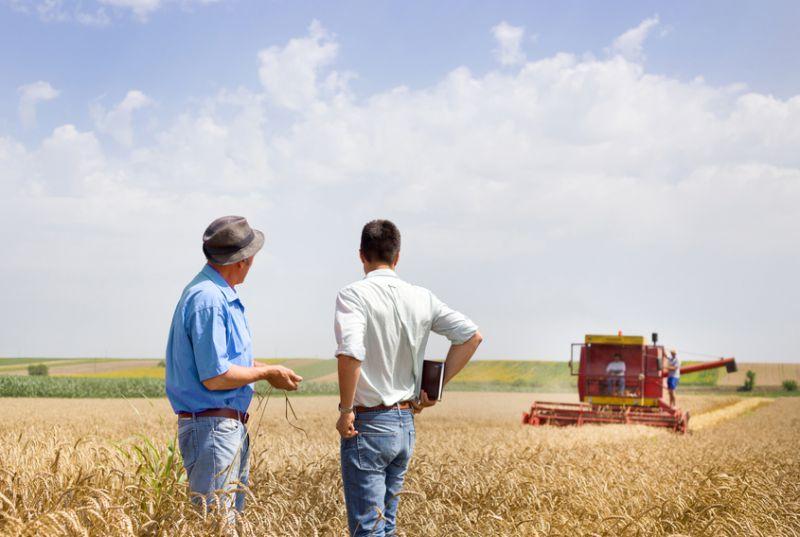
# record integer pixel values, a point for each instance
(621, 379)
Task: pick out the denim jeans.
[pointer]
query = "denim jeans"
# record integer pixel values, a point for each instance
(616, 385)
(216, 453)
(374, 464)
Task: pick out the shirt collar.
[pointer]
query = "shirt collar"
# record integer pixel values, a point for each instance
(230, 293)
(382, 272)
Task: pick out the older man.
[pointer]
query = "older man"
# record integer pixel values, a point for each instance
(210, 367)
(382, 326)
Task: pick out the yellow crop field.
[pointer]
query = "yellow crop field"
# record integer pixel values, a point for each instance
(100, 467)
(153, 372)
(766, 374)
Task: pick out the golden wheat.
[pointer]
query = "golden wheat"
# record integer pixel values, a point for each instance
(103, 467)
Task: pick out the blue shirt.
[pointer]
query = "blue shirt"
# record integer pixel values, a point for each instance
(209, 333)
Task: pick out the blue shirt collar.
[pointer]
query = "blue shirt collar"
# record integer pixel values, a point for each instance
(382, 272)
(230, 293)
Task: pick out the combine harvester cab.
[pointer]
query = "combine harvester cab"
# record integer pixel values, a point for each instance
(634, 398)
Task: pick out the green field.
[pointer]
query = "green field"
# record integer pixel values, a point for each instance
(67, 377)
(154, 372)
(71, 387)
(527, 374)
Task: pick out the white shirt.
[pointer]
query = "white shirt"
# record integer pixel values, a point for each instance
(385, 322)
(674, 362)
(617, 368)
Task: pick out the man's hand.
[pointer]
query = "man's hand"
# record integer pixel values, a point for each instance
(423, 402)
(282, 378)
(345, 425)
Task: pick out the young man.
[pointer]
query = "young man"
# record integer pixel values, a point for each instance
(382, 326)
(673, 375)
(615, 376)
(210, 367)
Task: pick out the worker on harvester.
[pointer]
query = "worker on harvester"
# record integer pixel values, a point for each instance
(673, 375)
(615, 376)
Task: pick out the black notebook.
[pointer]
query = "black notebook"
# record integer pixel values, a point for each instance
(433, 379)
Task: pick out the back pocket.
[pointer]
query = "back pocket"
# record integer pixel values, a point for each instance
(378, 444)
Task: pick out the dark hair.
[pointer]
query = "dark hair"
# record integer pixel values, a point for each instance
(380, 241)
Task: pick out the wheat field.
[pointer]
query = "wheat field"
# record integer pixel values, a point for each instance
(104, 467)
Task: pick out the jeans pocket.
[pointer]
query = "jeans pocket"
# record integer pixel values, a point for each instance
(376, 451)
(187, 443)
(377, 443)
(227, 426)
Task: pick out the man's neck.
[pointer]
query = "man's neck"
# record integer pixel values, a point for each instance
(370, 267)
(226, 274)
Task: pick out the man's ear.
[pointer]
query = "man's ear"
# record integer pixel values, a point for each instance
(361, 256)
(396, 259)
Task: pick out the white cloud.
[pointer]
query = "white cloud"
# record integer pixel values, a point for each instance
(509, 42)
(629, 44)
(70, 163)
(118, 122)
(567, 195)
(290, 74)
(29, 96)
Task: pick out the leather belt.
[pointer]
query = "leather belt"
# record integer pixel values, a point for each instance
(402, 405)
(217, 413)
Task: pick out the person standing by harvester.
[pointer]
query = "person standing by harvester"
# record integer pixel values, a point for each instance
(210, 372)
(382, 324)
(673, 375)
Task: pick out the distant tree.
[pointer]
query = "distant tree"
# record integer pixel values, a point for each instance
(162, 363)
(38, 370)
(749, 382)
(790, 385)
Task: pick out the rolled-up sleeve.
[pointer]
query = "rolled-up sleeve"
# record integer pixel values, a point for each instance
(350, 324)
(453, 325)
(210, 342)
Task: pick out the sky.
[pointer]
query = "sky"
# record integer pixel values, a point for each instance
(555, 168)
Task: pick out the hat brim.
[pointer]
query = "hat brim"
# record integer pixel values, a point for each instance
(248, 251)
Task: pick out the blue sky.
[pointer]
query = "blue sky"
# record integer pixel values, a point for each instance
(557, 168)
(181, 52)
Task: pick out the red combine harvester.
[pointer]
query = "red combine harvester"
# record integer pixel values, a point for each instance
(634, 398)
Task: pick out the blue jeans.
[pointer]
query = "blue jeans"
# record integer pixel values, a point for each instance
(374, 464)
(216, 455)
(616, 385)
